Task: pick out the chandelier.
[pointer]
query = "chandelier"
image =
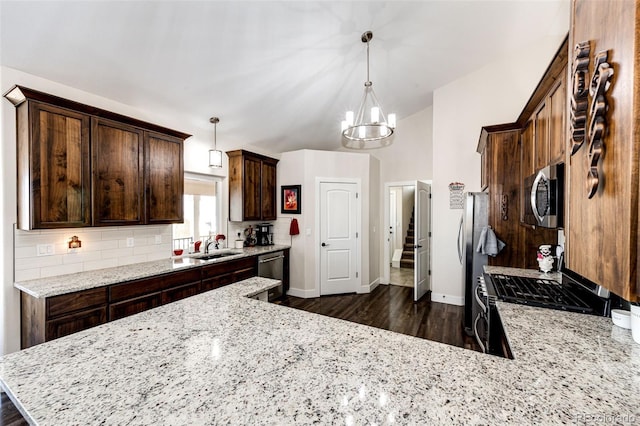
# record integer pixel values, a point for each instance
(215, 155)
(368, 132)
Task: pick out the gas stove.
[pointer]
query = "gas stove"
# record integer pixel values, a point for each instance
(568, 295)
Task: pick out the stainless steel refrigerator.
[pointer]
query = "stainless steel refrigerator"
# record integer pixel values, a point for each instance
(474, 219)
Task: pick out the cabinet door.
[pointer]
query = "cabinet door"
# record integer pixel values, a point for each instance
(134, 306)
(557, 121)
(484, 161)
(60, 176)
(69, 324)
(117, 160)
(268, 191)
(164, 178)
(541, 136)
(251, 188)
(504, 196)
(180, 292)
(527, 153)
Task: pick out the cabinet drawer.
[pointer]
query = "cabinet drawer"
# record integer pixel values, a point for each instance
(177, 293)
(134, 306)
(228, 278)
(155, 284)
(211, 271)
(80, 300)
(73, 323)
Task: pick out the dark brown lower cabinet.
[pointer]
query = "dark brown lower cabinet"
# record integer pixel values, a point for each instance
(73, 323)
(133, 306)
(180, 292)
(52, 317)
(221, 274)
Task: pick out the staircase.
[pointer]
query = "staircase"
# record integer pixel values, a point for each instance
(407, 250)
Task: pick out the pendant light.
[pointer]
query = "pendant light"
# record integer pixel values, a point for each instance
(215, 156)
(369, 128)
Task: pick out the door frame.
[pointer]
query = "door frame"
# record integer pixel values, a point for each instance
(318, 211)
(386, 256)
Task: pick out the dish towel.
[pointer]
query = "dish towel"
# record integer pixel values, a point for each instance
(489, 244)
(294, 229)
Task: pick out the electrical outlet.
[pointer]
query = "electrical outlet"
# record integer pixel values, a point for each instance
(158, 239)
(46, 250)
(130, 242)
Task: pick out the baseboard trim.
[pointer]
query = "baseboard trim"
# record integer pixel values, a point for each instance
(447, 298)
(299, 292)
(369, 288)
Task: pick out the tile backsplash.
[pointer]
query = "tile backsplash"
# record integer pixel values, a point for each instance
(280, 230)
(101, 248)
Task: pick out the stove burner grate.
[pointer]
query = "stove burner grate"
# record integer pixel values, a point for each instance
(538, 292)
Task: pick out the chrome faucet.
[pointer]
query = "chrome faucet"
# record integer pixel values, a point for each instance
(208, 243)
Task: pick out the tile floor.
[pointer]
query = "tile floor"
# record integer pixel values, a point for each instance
(401, 276)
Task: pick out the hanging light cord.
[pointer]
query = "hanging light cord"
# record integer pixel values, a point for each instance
(368, 82)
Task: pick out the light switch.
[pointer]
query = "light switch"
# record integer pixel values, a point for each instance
(158, 239)
(308, 231)
(45, 250)
(130, 242)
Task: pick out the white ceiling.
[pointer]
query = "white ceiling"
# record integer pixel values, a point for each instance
(279, 74)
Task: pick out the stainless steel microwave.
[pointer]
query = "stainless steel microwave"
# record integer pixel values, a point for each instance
(544, 197)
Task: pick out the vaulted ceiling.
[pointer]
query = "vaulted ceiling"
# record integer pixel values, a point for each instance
(279, 74)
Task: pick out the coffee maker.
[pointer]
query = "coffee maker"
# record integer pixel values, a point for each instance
(264, 234)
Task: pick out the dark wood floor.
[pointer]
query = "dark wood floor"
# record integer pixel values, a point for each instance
(9, 414)
(391, 307)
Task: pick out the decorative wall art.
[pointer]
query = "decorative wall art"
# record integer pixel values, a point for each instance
(589, 121)
(456, 198)
(291, 199)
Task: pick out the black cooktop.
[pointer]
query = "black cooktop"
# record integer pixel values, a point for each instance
(544, 293)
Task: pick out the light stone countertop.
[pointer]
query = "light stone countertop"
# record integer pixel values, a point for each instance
(63, 284)
(219, 357)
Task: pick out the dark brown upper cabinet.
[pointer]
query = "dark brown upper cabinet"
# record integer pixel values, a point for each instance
(83, 166)
(53, 149)
(252, 186)
(557, 119)
(164, 174)
(118, 155)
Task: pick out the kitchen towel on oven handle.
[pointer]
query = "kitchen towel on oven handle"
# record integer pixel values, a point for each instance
(488, 243)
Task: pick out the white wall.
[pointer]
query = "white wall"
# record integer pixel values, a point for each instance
(301, 168)
(494, 94)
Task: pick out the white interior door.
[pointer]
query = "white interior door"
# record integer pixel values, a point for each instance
(422, 248)
(338, 238)
(392, 222)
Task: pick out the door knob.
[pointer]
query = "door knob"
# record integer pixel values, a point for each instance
(325, 245)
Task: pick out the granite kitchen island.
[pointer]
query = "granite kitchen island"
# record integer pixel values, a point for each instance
(220, 357)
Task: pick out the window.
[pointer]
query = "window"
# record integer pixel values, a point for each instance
(202, 210)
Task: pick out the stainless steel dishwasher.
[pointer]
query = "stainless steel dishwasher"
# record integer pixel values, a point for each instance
(270, 265)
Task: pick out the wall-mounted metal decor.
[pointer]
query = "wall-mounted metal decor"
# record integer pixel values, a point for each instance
(600, 85)
(579, 98)
(456, 195)
(590, 116)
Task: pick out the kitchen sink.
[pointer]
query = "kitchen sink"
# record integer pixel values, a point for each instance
(215, 255)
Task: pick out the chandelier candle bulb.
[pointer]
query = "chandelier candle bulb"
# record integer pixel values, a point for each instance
(375, 115)
(349, 118)
(362, 132)
(392, 121)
